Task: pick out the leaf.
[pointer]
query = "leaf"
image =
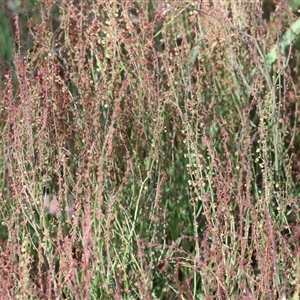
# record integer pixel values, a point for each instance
(280, 49)
(6, 44)
(2, 43)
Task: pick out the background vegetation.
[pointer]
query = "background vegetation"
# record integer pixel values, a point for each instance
(149, 150)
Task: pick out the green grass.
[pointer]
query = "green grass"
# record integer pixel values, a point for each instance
(174, 136)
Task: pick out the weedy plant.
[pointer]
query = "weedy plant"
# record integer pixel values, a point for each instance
(161, 139)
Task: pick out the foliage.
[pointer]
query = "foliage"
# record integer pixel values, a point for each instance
(148, 152)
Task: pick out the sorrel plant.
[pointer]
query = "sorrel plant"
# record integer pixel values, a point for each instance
(167, 142)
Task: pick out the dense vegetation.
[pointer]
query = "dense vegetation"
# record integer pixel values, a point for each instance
(149, 150)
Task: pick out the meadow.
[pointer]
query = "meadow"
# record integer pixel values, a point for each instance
(149, 149)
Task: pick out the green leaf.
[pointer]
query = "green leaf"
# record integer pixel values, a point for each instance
(287, 39)
(6, 44)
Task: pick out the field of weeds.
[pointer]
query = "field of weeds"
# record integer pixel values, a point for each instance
(149, 149)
